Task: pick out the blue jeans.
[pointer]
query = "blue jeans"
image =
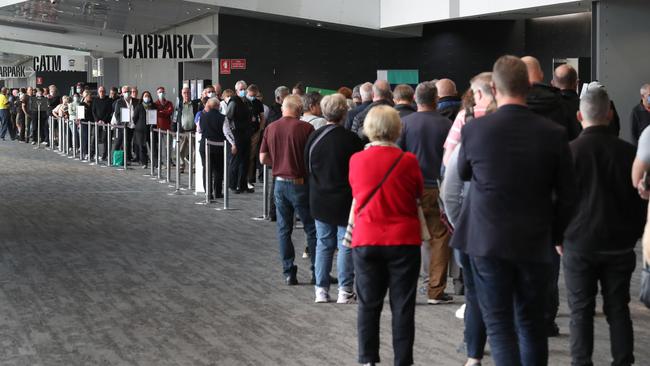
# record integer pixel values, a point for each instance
(291, 199)
(4, 122)
(512, 296)
(475, 336)
(328, 238)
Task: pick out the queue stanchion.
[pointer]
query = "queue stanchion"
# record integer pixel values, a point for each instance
(105, 127)
(96, 145)
(177, 184)
(226, 191)
(159, 153)
(168, 160)
(206, 174)
(190, 172)
(38, 127)
(265, 199)
(79, 133)
(59, 130)
(74, 139)
(66, 134)
(150, 174)
(49, 134)
(123, 128)
(109, 147)
(88, 123)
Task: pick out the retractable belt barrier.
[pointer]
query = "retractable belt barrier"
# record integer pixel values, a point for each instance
(208, 173)
(179, 162)
(265, 196)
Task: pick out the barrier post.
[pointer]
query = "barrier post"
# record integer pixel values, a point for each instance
(168, 160)
(66, 139)
(124, 145)
(60, 145)
(159, 148)
(177, 184)
(226, 192)
(208, 184)
(50, 131)
(150, 152)
(88, 142)
(265, 201)
(74, 140)
(190, 174)
(38, 126)
(79, 132)
(96, 145)
(109, 147)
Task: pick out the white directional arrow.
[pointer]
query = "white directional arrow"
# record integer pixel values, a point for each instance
(210, 46)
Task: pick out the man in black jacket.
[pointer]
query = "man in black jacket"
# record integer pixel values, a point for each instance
(565, 78)
(211, 124)
(102, 109)
(547, 101)
(239, 116)
(519, 202)
(449, 102)
(365, 90)
(599, 242)
(403, 97)
(382, 95)
(640, 118)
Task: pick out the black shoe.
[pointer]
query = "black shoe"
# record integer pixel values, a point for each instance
(292, 279)
(251, 190)
(237, 191)
(218, 196)
(552, 330)
(313, 278)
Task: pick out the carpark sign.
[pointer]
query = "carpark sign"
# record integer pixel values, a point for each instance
(169, 46)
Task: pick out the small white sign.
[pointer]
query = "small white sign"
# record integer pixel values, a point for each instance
(152, 117)
(125, 115)
(81, 112)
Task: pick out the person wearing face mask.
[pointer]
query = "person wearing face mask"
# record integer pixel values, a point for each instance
(86, 146)
(102, 108)
(257, 125)
(20, 116)
(134, 150)
(184, 122)
(141, 128)
(165, 110)
(125, 102)
(239, 116)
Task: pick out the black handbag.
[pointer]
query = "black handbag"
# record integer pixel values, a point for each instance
(645, 285)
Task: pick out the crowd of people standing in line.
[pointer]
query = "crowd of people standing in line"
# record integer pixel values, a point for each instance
(498, 188)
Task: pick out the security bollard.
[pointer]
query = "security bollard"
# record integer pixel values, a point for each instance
(168, 160)
(190, 172)
(109, 148)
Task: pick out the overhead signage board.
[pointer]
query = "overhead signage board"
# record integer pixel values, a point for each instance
(56, 63)
(169, 46)
(15, 72)
(238, 64)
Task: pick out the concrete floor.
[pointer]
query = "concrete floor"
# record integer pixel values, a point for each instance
(102, 267)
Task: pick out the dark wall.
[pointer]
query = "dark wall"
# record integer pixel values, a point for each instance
(62, 79)
(558, 37)
(282, 54)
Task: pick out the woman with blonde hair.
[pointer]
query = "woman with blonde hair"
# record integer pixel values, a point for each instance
(386, 185)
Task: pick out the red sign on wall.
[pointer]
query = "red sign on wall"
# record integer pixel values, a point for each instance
(224, 67)
(238, 64)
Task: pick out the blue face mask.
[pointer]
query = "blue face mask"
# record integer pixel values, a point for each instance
(146, 100)
(648, 99)
(250, 97)
(242, 93)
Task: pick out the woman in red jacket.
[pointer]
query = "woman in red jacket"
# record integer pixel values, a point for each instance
(386, 184)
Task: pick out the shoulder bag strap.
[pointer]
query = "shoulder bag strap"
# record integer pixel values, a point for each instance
(317, 140)
(376, 189)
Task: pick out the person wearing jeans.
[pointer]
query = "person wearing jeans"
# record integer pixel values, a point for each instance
(283, 148)
(386, 237)
(327, 157)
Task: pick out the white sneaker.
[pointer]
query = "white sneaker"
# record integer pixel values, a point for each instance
(460, 313)
(322, 295)
(251, 186)
(346, 297)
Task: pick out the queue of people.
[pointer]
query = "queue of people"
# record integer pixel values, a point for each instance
(496, 188)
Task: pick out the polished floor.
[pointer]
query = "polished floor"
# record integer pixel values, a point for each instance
(103, 267)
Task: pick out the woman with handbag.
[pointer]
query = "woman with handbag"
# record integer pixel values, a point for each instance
(386, 235)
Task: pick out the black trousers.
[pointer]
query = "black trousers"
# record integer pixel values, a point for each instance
(216, 169)
(103, 139)
(582, 273)
(120, 138)
(43, 126)
(141, 137)
(86, 144)
(553, 291)
(378, 269)
(239, 164)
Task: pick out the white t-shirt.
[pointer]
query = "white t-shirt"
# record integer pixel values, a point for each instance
(643, 149)
(315, 121)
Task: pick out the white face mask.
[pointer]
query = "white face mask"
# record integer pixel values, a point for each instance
(161, 95)
(127, 96)
(211, 95)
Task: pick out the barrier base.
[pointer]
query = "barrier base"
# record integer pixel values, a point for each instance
(259, 218)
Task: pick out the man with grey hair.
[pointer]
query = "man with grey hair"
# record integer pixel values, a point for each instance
(365, 91)
(239, 115)
(424, 133)
(599, 242)
(382, 95)
(640, 118)
(356, 95)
